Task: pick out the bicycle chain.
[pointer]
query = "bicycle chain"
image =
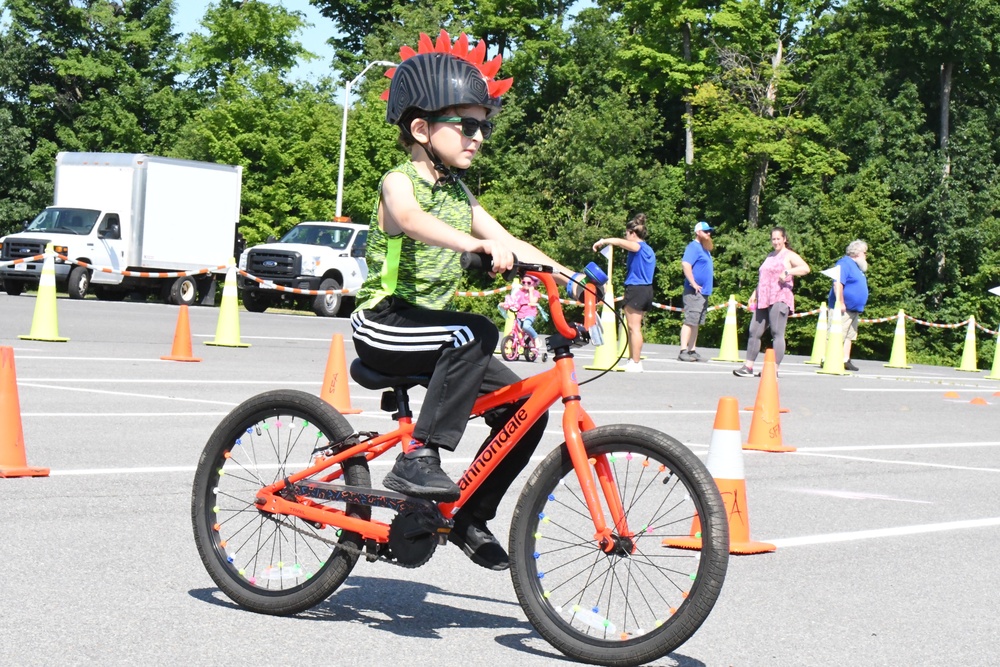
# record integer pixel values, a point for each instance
(350, 548)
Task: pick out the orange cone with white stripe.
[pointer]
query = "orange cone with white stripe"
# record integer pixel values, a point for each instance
(13, 462)
(765, 427)
(725, 462)
(335, 390)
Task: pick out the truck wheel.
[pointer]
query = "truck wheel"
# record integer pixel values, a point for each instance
(254, 301)
(184, 291)
(79, 282)
(13, 287)
(327, 305)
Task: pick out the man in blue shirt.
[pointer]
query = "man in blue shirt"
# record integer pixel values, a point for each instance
(698, 276)
(851, 292)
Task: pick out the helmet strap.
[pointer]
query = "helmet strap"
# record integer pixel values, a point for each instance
(448, 176)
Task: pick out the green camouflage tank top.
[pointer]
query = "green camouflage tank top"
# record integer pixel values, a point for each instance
(418, 273)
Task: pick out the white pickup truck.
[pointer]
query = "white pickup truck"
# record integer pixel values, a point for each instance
(311, 256)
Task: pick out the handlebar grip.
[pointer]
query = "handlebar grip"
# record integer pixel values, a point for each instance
(482, 261)
(476, 260)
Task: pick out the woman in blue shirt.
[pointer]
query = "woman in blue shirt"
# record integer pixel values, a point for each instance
(639, 267)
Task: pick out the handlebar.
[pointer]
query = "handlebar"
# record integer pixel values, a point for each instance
(590, 329)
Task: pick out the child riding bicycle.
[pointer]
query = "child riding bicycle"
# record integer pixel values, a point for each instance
(523, 302)
(424, 218)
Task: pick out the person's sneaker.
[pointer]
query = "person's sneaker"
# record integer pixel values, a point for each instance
(633, 366)
(688, 355)
(743, 372)
(694, 356)
(849, 366)
(478, 543)
(418, 473)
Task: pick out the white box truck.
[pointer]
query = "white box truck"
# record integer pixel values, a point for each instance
(131, 212)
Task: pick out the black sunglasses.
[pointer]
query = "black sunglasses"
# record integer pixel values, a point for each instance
(469, 125)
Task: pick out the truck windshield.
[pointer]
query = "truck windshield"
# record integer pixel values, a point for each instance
(64, 220)
(337, 238)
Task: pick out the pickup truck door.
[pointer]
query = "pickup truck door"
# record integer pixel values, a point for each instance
(358, 249)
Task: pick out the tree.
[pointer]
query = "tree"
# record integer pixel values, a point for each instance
(243, 34)
(945, 38)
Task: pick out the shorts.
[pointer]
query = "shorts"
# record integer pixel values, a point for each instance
(639, 297)
(849, 323)
(695, 308)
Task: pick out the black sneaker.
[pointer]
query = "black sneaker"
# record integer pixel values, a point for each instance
(418, 473)
(743, 372)
(694, 356)
(478, 543)
(849, 366)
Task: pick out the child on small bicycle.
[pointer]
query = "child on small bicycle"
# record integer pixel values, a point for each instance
(523, 302)
(425, 217)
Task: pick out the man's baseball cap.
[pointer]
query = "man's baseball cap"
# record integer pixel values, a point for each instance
(703, 227)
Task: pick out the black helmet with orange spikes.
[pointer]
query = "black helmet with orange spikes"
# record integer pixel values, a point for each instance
(442, 75)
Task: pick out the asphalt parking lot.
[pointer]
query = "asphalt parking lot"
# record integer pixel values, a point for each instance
(885, 519)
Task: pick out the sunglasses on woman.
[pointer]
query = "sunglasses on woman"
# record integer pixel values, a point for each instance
(469, 125)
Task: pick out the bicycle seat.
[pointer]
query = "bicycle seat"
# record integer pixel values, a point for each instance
(369, 378)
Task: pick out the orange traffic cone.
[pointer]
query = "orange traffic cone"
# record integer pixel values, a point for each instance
(12, 460)
(335, 390)
(181, 350)
(765, 427)
(770, 369)
(725, 462)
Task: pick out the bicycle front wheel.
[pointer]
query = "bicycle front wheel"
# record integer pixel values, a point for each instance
(270, 563)
(642, 600)
(508, 348)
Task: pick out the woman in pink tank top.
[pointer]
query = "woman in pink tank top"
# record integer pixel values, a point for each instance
(772, 302)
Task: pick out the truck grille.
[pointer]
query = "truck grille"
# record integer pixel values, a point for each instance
(18, 248)
(274, 264)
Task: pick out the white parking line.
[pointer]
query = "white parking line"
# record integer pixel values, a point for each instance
(926, 445)
(129, 394)
(78, 415)
(918, 464)
(882, 532)
(939, 390)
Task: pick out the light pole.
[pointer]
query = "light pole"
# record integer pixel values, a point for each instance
(343, 127)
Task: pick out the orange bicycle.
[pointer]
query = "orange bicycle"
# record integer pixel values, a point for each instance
(283, 508)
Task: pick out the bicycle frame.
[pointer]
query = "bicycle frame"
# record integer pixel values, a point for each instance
(542, 390)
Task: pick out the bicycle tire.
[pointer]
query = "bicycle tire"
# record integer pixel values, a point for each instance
(630, 607)
(508, 348)
(530, 352)
(267, 563)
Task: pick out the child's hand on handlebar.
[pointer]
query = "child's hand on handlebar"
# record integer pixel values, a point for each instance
(503, 258)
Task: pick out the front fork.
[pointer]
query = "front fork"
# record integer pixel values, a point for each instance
(575, 421)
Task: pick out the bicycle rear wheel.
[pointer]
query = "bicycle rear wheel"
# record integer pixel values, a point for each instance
(269, 563)
(643, 600)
